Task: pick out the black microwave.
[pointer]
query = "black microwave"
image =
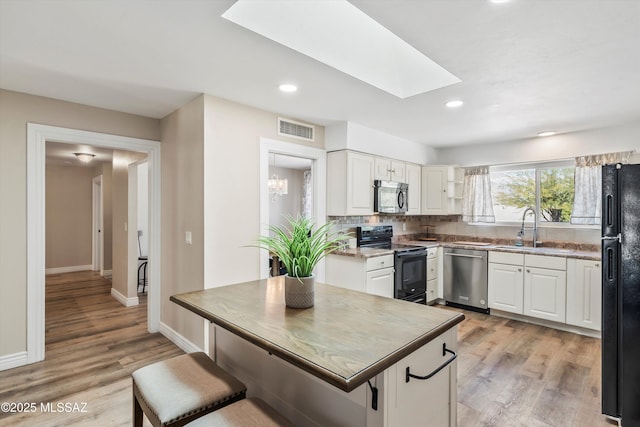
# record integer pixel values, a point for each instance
(390, 197)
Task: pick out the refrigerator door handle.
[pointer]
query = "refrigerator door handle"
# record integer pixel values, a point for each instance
(618, 238)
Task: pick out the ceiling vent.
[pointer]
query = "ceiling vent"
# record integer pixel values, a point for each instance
(295, 129)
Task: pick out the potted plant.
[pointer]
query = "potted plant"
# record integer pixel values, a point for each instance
(300, 247)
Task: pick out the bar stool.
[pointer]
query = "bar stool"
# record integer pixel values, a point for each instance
(142, 268)
(251, 412)
(179, 390)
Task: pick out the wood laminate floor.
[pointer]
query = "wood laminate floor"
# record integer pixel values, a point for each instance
(92, 344)
(510, 373)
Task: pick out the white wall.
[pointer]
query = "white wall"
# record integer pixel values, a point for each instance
(353, 136)
(143, 207)
(563, 146)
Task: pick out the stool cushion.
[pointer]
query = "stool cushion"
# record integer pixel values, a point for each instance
(184, 385)
(250, 412)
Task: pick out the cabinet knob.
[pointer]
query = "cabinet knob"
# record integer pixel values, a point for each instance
(597, 264)
(528, 271)
(520, 270)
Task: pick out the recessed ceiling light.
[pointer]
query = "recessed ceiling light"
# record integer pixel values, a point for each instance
(317, 29)
(547, 133)
(499, 1)
(287, 87)
(454, 104)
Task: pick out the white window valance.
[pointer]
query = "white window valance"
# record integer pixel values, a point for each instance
(477, 204)
(587, 202)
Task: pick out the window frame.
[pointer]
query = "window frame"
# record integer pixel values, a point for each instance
(537, 166)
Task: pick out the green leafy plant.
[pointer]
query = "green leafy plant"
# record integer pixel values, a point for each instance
(300, 247)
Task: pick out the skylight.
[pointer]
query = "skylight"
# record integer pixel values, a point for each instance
(340, 35)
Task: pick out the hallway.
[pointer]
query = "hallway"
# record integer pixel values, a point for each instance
(93, 344)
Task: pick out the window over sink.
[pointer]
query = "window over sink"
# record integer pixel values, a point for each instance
(546, 187)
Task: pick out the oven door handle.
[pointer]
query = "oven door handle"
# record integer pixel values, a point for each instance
(411, 254)
(463, 255)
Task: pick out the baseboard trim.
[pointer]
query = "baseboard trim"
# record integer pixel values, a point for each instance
(107, 273)
(69, 269)
(176, 338)
(127, 302)
(549, 324)
(11, 361)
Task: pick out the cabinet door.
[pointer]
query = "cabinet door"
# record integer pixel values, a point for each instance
(431, 402)
(506, 287)
(545, 293)
(382, 169)
(380, 282)
(359, 184)
(584, 293)
(398, 171)
(432, 290)
(413, 178)
(434, 190)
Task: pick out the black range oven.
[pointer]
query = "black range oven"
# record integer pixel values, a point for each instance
(410, 262)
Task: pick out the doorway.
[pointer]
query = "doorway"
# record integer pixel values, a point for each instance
(37, 136)
(296, 154)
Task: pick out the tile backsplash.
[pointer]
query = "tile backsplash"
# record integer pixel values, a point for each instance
(425, 226)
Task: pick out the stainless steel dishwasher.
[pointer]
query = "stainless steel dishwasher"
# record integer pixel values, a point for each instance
(465, 279)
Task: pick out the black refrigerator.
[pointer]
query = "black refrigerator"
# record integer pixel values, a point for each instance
(621, 293)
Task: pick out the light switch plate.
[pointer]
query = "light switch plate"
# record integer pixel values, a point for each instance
(187, 237)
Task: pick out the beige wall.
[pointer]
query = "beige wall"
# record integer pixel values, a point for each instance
(106, 170)
(68, 218)
(232, 194)
(182, 210)
(16, 110)
(119, 220)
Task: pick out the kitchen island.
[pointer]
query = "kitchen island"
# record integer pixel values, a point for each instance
(332, 363)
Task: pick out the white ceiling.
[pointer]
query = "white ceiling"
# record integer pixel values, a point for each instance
(526, 65)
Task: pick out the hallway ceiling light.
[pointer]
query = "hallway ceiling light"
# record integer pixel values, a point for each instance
(277, 186)
(84, 157)
(340, 35)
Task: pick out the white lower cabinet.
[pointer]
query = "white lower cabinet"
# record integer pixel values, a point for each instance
(380, 282)
(532, 285)
(545, 293)
(584, 293)
(423, 402)
(506, 289)
(506, 282)
(374, 275)
(432, 273)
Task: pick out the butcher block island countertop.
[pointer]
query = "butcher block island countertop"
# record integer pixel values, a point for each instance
(347, 338)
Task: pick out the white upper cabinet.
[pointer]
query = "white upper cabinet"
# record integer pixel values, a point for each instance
(349, 183)
(389, 170)
(434, 190)
(413, 175)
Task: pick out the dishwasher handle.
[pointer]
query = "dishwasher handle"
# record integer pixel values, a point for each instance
(463, 255)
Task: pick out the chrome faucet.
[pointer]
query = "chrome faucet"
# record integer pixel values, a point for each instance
(535, 225)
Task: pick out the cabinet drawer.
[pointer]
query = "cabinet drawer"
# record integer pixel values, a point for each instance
(432, 268)
(432, 290)
(506, 258)
(432, 252)
(542, 261)
(383, 261)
